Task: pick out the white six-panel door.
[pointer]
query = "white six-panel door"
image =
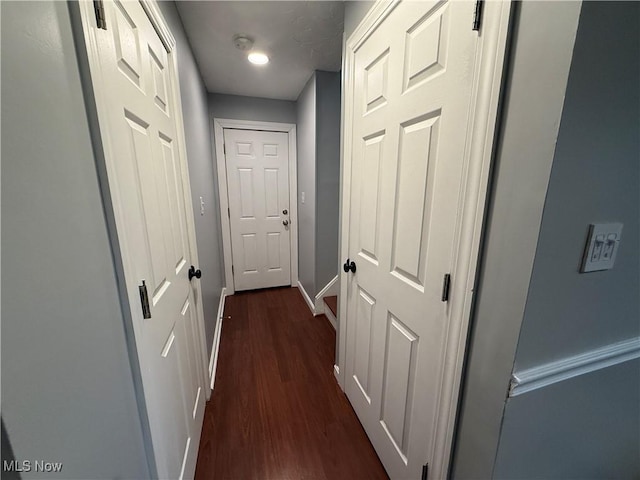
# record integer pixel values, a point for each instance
(258, 185)
(146, 178)
(413, 79)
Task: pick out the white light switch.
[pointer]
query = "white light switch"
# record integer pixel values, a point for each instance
(602, 246)
(302, 197)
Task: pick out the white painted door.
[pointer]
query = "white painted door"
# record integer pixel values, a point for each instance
(413, 79)
(258, 185)
(146, 173)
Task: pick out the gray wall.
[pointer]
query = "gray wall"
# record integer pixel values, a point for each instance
(328, 94)
(202, 175)
(586, 427)
(582, 428)
(354, 12)
(595, 178)
(251, 108)
(306, 143)
(535, 84)
(319, 178)
(67, 387)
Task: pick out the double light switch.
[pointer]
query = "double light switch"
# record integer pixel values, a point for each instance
(602, 246)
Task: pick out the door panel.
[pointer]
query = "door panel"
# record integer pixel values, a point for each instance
(370, 198)
(411, 105)
(174, 188)
(426, 47)
(250, 248)
(402, 345)
(127, 45)
(245, 175)
(273, 251)
(413, 199)
(364, 335)
(258, 186)
(271, 193)
(146, 175)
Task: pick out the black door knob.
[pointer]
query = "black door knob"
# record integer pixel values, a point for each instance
(194, 273)
(349, 266)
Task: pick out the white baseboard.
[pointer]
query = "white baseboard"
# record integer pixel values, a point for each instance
(307, 299)
(541, 376)
(330, 289)
(339, 378)
(213, 361)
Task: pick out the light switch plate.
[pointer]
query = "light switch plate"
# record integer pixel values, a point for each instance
(602, 246)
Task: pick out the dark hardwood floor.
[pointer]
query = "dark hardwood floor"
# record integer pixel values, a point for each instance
(277, 411)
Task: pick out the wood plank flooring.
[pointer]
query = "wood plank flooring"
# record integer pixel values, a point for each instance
(277, 411)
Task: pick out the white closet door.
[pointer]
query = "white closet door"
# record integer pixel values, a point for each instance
(413, 79)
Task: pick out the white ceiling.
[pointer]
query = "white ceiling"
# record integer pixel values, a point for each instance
(298, 36)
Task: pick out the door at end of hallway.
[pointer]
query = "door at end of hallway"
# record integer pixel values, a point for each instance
(257, 164)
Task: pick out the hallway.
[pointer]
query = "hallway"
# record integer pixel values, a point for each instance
(276, 411)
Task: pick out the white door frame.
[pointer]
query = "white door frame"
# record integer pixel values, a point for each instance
(487, 80)
(219, 124)
(114, 208)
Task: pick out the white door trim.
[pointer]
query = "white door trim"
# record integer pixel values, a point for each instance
(219, 124)
(487, 81)
(105, 156)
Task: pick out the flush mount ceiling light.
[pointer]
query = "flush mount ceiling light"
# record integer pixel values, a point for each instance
(245, 43)
(258, 58)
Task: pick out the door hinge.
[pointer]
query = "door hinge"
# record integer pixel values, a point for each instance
(224, 148)
(446, 284)
(232, 270)
(425, 471)
(101, 20)
(229, 212)
(477, 15)
(144, 300)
